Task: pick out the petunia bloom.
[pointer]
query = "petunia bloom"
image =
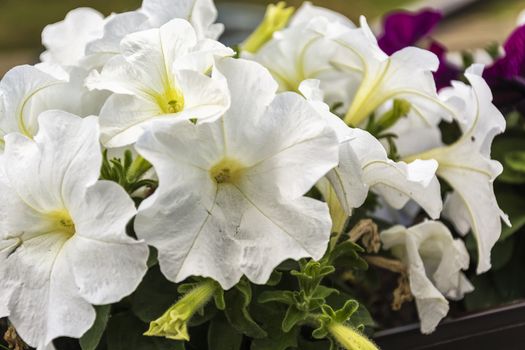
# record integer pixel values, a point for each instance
(434, 260)
(230, 198)
(63, 240)
(160, 74)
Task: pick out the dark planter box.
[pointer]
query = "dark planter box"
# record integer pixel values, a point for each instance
(500, 328)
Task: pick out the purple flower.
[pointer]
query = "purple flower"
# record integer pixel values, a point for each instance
(512, 64)
(404, 28)
(506, 76)
(446, 71)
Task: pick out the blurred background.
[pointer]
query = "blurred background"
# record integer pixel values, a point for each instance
(468, 23)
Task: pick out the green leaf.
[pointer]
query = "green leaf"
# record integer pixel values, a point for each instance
(222, 336)
(501, 254)
(515, 160)
(275, 278)
(502, 147)
(344, 313)
(347, 254)
(279, 341)
(154, 295)
(280, 296)
(293, 317)
(90, 340)
(512, 202)
(324, 292)
(237, 302)
(484, 294)
(125, 332)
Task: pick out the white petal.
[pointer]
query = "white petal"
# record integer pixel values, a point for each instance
(66, 40)
(190, 239)
(251, 86)
(275, 231)
(307, 11)
(201, 13)
(397, 182)
(45, 304)
(115, 29)
(107, 271)
(347, 179)
(18, 88)
(64, 158)
(295, 143)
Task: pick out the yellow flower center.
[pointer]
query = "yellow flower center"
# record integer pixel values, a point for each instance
(228, 170)
(171, 101)
(62, 222)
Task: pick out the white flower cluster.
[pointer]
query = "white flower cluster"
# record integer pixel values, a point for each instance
(235, 144)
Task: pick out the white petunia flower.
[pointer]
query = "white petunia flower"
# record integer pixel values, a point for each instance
(364, 165)
(230, 200)
(160, 74)
(66, 41)
(466, 165)
(379, 78)
(153, 14)
(26, 91)
(63, 240)
(304, 51)
(200, 13)
(434, 260)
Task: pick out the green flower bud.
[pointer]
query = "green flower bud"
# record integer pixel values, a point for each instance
(275, 18)
(173, 323)
(350, 338)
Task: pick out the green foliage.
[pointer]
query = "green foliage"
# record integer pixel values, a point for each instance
(222, 336)
(91, 339)
(237, 311)
(299, 298)
(127, 172)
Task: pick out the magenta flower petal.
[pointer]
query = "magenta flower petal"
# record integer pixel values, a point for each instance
(446, 71)
(512, 64)
(404, 28)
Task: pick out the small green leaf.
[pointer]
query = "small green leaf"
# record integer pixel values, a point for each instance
(238, 314)
(275, 278)
(90, 340)
(293, 316)
(342, 315)
(222, 336)
(324, 292)
(218, 297)
(280, 296)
